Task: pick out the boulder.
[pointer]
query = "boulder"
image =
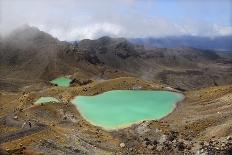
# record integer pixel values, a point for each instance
(122, 145)
(15, 117)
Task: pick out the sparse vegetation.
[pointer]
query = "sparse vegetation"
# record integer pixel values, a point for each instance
(30, 58)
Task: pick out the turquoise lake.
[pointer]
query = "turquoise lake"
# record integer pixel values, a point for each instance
(46, 100)
(61, 81)
(122, 108)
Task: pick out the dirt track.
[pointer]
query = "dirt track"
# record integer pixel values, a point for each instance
(22, 133)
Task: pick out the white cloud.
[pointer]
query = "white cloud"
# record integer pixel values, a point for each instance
(89, 31)
(223, 30)
(79, 19)
(94, 31)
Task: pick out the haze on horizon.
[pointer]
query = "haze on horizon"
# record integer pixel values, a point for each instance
(86, 19)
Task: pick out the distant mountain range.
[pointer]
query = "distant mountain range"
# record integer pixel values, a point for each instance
(220, 43)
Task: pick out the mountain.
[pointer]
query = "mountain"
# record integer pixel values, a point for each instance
(186, 68)
(29, 58)
(29, 53)
(221, 43)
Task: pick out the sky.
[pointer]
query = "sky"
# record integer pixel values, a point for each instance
(90, 19)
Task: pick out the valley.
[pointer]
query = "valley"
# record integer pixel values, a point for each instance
(30, 59)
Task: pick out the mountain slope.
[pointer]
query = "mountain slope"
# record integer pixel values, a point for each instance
(186, 68)
(31, 54)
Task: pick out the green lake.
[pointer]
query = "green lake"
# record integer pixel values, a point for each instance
(121, 108)
(46, 100)
(61, 81)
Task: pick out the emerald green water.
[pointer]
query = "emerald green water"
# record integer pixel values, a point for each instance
(46, 100)
(121, 108)
(62, 81)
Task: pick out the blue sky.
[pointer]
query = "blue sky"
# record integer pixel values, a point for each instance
(80, 19)
(213, 11)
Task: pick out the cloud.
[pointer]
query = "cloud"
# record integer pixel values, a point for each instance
(223, 30)
(89, 31)
(80, 19)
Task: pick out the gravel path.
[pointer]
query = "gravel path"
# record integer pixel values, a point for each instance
(22, 133)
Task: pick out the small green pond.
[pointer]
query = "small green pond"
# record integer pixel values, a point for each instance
(122, 108)
(61, 81)
(46, 100)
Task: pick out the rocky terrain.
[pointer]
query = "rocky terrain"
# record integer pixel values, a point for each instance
(29, 58)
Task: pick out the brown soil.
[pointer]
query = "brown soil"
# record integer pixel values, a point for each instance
(204, 115)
